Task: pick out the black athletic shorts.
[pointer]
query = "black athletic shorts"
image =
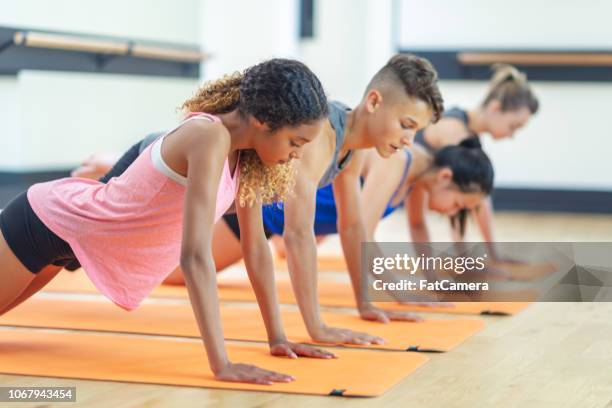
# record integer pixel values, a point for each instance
(232, 222)
(35, 245)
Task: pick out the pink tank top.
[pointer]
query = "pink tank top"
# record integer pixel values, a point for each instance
(126, 234)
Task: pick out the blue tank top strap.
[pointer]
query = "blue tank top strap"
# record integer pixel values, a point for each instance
(337, 118)
(390, 207)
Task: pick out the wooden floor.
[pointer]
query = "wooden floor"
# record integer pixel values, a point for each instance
(550, 355)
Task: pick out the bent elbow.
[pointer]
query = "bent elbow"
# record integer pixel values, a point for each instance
(296, 236)
(192, 263)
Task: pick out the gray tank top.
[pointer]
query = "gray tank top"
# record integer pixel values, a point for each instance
(337, 118)
(456, 113)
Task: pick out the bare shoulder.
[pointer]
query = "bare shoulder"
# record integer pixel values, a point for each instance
(200, 134)
(197, 140)
(317, 155)
(356, 163)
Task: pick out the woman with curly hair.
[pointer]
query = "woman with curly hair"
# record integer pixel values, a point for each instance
(131, 232)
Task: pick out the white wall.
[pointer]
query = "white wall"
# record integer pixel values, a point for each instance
(159, 20)
(564, 24)
(241, 33)
(10, 130)
(64, 118)
(353, 40)
(53, 120)
(566, 145)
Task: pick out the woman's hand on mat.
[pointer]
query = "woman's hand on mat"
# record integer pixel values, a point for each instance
(336, 335)
(373, 313)
(248, 373)
(293, 350)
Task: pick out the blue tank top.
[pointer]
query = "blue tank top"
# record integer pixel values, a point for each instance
(326, 217)
(456, 113)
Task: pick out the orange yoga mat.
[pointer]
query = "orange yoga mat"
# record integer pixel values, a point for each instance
(239, 323)
(139, 359)
(331, 293)
(477, 308)
(325, 263)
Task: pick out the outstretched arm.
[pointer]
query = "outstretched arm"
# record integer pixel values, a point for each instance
(485, 219)
(359, 212)
(301, 249)
(415, 211)
(415, 214)
(205, 163)
(258, 260)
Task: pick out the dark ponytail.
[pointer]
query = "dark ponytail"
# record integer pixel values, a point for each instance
(472, 172)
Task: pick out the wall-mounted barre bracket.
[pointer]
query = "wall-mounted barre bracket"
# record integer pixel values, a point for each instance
(102, 60)
(5, 45)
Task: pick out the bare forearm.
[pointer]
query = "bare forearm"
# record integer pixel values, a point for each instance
(484, 218)
(351, 239)
(301, 258)
(261, 274)
(201, 281)
(419, 233)
(421, 244)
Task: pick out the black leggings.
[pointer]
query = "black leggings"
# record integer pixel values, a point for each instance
(232, 222)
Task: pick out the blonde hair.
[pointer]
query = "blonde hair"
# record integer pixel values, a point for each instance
(509, 86)
(259, 183)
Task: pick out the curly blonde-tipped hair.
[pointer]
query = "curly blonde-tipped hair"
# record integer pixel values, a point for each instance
(264, 184)
(258, 183)
(277, 92)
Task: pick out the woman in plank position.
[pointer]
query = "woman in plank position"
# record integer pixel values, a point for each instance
(239, 136)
